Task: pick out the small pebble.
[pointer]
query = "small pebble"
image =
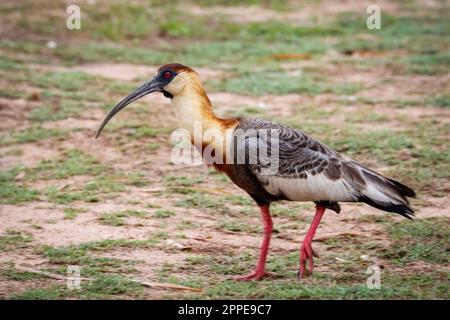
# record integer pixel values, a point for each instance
(340, 259)
(262, 105)
(51, 44)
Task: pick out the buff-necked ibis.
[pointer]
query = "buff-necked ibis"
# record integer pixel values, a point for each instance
(307, 170)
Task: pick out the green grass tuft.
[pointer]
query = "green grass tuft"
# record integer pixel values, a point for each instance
(67, 81)
(442, 101)
(13, 192)
(163, 213)
(34, 134)
(117, 218)
(72, 163)
(13, 240)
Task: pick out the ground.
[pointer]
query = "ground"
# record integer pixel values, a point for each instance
(118, 208)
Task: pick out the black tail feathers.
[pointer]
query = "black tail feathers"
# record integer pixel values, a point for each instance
(394, 190)
(402, 209)
(403, 190)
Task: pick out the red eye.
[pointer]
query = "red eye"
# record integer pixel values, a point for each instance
(167, 74)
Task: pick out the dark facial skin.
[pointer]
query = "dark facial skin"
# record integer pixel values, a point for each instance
(164, 77)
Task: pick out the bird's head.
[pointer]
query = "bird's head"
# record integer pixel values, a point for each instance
(170, 79)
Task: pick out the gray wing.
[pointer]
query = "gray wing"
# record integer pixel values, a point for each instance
(308, 170)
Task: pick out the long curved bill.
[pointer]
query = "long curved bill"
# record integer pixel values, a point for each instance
(143, 90)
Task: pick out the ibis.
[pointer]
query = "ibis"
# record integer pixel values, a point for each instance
(294, 166)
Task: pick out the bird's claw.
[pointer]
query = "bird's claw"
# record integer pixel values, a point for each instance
(306, 254)
(254, 276)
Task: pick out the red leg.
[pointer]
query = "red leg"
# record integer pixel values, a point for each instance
(306, 250)
(260, 270)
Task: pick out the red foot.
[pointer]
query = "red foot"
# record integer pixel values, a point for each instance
(306, 251)
(306, 254)
(254, 276)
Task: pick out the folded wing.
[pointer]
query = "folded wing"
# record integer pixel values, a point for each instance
(300, 168)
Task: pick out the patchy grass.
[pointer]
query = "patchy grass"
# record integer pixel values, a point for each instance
(95, 189)
(71, 213)
(55, 112)
(102, 287)
(258, 83)
(10, 93)
(72, 163)
(13, 239)
(117, 218)
(183, 181)
(16, 275)
(237, 226)
(67, 81)
(34, 134)
(147, 131)
(14, 192)
(378, 96)
(425, 240)
(152, 146)
(394, 286)
(84, 254)
(442, 101)
(429, 64)
(163, 213)
(9, 64)
(290, 210)
(40, 294)
(202, 201)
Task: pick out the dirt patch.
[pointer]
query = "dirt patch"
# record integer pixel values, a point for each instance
(416, 87)
(122, 71)
(273, 104)
(435, 207)
(12, 113)
(89, 119)
(304, 13)
(148, 260)
(27, 258)
(54, 230)
(125, 72)
(29, 154)
(47, 225)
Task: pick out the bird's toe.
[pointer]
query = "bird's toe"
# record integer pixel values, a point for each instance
(306, 256)
(254, 276)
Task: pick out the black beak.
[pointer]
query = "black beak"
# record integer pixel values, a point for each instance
(143, 90)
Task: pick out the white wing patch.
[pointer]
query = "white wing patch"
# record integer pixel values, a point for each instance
(314, 188)
(375, 192)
